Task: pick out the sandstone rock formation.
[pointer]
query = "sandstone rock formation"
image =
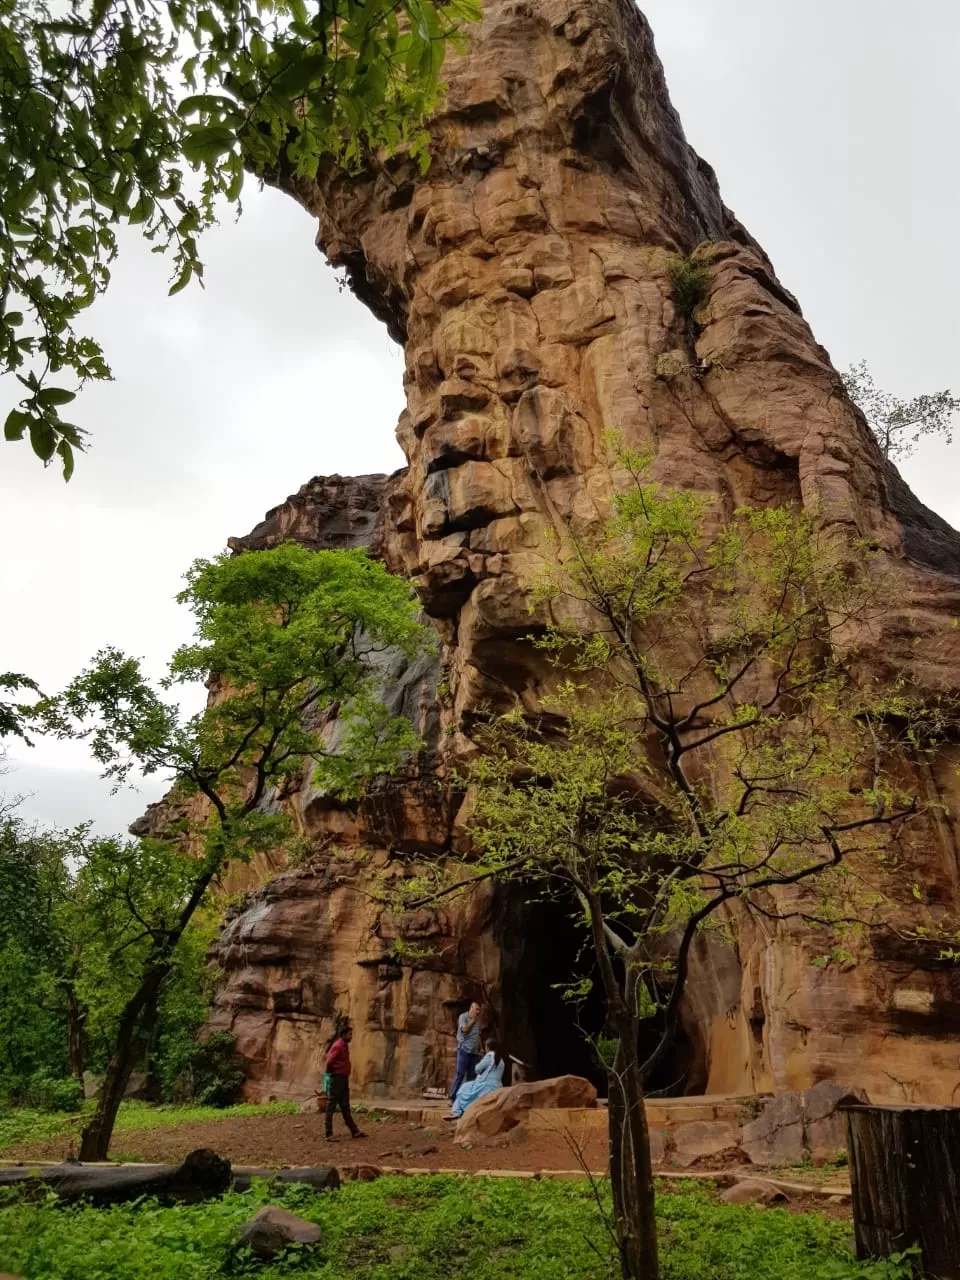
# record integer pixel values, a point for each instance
(792, 1124)
(503, 1110)
(527, 277)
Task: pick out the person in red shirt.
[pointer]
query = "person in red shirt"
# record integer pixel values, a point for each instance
(337, 1067)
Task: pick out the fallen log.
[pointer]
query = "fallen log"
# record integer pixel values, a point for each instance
(320, 1176)
(202, 1176)
(905, 1179)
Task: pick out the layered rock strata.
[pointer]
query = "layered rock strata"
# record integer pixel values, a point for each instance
(527, 276)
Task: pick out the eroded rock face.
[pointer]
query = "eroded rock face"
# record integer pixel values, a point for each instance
(503, 1110)
(312, 940)
(527, 277)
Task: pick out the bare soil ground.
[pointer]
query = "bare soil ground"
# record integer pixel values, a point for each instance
(287, 1140)
(277, 1141)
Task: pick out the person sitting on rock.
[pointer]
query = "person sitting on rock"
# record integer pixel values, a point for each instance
(337, 1067)
(468, 1047)
(488, 1079)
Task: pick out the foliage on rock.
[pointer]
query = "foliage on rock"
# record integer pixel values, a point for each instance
(689, 284)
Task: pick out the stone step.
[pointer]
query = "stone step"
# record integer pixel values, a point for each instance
(660, 1111)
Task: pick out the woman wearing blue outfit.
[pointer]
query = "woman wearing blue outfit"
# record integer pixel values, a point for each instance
(488, 1079)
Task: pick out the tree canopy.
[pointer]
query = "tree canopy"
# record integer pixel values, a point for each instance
(900, 425)
(106, 106)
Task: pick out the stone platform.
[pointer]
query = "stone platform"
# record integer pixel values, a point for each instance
(763, 1130)
(732, 1108)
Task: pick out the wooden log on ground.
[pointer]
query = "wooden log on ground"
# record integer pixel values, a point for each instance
(202, 1176)
(905, 1179)
(320, 1176)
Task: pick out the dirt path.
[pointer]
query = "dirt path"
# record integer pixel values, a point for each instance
(276, 1141)
(279, 1140)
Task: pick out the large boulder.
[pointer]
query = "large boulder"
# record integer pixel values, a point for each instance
(501, 1111)
(776, 1136)
(797, 1126)
(703, 1140)
(824, 1126)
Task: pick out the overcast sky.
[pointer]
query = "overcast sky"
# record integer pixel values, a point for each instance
(833, 127)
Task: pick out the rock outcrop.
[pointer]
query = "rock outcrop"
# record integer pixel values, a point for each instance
(273, 1229)
(527, 276)
(503, 1110)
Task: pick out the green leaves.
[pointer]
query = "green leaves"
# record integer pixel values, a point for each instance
(14, 716)
(206, 143)
(899, 425)
(94, 132)
(704, 753)
(287, 635)
(290, 640)
(50, 397)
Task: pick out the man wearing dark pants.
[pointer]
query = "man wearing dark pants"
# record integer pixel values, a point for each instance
(468, 1047)
(337, 1066)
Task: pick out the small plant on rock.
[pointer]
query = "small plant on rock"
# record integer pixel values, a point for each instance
(690, 285)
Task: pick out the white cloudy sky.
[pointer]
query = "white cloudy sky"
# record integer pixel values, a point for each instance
(833, 127)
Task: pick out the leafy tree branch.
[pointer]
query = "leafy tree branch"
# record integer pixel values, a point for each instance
(107, 105)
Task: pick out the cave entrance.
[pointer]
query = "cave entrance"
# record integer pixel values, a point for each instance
(545, 950)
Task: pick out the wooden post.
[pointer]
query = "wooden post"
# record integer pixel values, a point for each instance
(905, 1176)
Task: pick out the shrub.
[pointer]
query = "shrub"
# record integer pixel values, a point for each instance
(212, 1075)
(690, 282)
(45, 1092)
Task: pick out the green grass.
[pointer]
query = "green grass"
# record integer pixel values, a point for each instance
(425, 1228)
(21, 1125)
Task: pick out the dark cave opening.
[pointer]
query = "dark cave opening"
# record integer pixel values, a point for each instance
(546, 951)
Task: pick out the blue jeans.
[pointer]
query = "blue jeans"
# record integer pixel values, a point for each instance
(466, 1069)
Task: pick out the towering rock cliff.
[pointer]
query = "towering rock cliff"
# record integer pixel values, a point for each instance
(527, 277)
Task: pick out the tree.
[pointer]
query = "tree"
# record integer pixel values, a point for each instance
(900, 425)
(13, 715)
(33, 1023)
(289, 639)
(704, 755)
(81, 912)
(117, 897)
(104, 104)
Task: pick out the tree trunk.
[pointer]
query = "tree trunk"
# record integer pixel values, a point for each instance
(616, 1134)
(76, 1037)
(636, 1222)
(639, 1197)
(905, 1174)
(202, 1175)
(138, 1017)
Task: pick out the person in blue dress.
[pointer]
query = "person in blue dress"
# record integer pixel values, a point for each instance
(488, 1079)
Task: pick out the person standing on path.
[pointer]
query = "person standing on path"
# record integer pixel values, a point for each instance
(337, 1067)
(468, 1047)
